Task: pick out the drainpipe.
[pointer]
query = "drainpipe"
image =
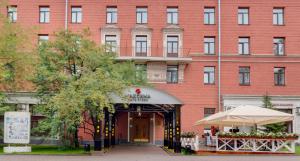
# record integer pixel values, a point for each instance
(219, 55)
(66, 14)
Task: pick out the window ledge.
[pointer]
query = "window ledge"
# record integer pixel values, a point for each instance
(244, 84)
(279, 85)
(211, 84)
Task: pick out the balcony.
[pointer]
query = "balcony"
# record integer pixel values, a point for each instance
(153, 54)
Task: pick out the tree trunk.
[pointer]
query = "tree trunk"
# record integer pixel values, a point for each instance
(97, 133)
(76, 140)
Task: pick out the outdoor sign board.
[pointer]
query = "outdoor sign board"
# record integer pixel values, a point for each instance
(17, 127)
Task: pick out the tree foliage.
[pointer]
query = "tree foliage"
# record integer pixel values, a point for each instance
(16, 60)
(16, 55)
(275, 128)
(76, 77)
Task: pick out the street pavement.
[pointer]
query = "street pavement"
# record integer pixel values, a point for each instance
(147, 153)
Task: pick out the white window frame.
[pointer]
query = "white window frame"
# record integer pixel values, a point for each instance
(149, 37)
(279, 46)
(44, 14)
(141, 15)
(243, 16)
(115, 32)
(209, 45)
(111, 15)
(243, 75)
(76, 14)
(172, 69)
(165, 43)
(43, 38)
(209, 15)
(12, 13)
(278, 16)
(244, 46)
(279, 77)
(172, 15)
(209, 74)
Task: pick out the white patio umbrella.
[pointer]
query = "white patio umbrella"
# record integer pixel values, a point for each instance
(246, 115)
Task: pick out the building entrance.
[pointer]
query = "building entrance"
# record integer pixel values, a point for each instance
(140, 128)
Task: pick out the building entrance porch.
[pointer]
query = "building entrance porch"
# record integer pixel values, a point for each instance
(150, 117)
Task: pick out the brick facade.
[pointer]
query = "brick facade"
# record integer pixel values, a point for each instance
(190, 89)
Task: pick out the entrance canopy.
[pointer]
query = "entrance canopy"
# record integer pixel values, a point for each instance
(246, 115)
(147, 95)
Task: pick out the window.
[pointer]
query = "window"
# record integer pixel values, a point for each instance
(172, 74)
(141, 15)
(244, 45)
(76, 13)
(42, 38)
(278, 45)
(278, 16)
(209, 15)
(111, 15)
(279, 76)
(141, 45)
(172, 15)
(12, 13)
(209, 111)
(172, 46)
(44, 14)
(141, 71)
(244, 75)
(243, 16)
(209, 45)
(209, 75)
(110, 43)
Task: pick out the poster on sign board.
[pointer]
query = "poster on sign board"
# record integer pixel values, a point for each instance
(17, 127)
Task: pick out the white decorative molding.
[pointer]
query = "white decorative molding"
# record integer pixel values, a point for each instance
(141, 30)
(178, 33)
(112, 30)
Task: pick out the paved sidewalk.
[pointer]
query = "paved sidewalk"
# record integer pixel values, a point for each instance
(144, 153)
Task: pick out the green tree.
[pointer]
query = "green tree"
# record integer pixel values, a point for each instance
(75, 79)
(278, 127)
(16, 55)
(16, 60)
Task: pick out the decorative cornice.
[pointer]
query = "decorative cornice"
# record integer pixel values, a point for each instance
(110, 28)
(143, 28)
(172, 28)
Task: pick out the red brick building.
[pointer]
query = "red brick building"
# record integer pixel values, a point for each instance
(206, 61)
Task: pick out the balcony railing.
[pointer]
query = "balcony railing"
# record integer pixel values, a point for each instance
(149, 52)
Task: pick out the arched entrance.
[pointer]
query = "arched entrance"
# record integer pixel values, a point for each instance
(152, 117)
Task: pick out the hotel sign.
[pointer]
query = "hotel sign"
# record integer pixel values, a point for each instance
(138, 96)
(17, 127)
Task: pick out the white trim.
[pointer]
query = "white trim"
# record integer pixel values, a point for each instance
(141, 33)
(180, 42)
(66, 14)
(115, 32)
(170, 59)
